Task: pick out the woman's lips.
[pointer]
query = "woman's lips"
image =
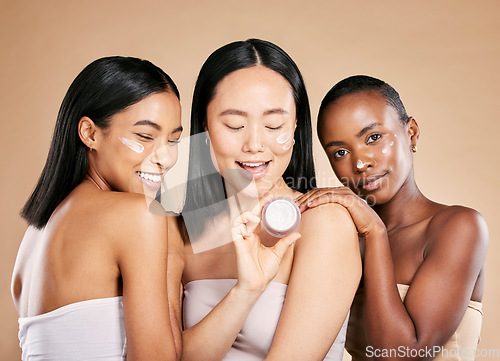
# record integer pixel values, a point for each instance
(151, 181)
(374, 183)
(254, 170)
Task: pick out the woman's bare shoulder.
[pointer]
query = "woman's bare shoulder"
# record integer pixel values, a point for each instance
(329, 226)
(326, 216)
(128, 217)
(458, 224)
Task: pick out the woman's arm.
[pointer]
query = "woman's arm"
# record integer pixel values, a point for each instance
(212, 337)
(325, 275)
(174, 275)
(141, 253)
(440, 289)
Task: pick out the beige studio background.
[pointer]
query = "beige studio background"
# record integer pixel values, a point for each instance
(442, 57)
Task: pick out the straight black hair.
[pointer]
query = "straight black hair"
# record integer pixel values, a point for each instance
(363, 83)
(105, 87)
(203, 187)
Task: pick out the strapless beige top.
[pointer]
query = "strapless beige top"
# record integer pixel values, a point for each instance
(461, 346)
(255, 338)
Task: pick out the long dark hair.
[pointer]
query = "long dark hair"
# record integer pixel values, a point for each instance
(104, 88)
(204, 182)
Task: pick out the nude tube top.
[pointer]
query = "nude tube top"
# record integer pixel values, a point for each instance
(461, 346)
(256, 336)
(87, 330)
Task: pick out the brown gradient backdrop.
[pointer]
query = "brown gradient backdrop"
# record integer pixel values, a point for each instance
(441, 56)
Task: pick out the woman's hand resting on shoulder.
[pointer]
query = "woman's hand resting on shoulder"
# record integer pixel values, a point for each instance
(257, 264)
(363, 216)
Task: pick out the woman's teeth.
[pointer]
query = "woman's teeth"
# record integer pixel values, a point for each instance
(256, 170)
(253, 164)
(150, 177)
(253, 167)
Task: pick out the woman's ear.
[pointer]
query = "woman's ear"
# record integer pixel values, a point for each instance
(413, 132)
(87, 132)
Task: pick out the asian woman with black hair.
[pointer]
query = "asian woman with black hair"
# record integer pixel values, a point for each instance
(89, 279)
(249, 295)
(423, 278)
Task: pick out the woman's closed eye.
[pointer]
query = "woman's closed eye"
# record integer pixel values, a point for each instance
(144, 136)
(234, 127)
(275, 127)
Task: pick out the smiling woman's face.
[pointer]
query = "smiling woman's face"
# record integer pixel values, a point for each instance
(140, 145)
(368, 147)
(251, 122)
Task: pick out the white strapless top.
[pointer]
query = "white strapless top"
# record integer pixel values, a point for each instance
(256, 336)
(87, 330)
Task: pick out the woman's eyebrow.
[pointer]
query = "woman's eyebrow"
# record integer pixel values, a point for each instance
(367, 128)
(334, 143)
(148, 122)
(244, 114)
(275, 111)
(233, 112)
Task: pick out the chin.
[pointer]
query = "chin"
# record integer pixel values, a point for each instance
(375, 199)
(251, 191)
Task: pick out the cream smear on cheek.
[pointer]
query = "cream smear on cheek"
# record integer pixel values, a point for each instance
(286, 139)
(391, 143)
(384, 150)
(135, 146)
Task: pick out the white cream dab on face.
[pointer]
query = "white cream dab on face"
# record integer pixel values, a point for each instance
(360, 164)
(391, 143)
(289, 144)
(135, 146)
(384, 150)
(286, 139)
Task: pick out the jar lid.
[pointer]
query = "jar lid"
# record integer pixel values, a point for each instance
(280, 216)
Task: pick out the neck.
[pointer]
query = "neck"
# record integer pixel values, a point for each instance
(405, 208)
(242, 201)
(93, 176)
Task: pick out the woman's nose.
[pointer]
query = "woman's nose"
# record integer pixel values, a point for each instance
(163, 157)
(253, 141)
(362, 162)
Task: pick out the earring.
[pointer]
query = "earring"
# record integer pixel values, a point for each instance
(413, 148)
(90, 148)
(293, 143)
(207, 141)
